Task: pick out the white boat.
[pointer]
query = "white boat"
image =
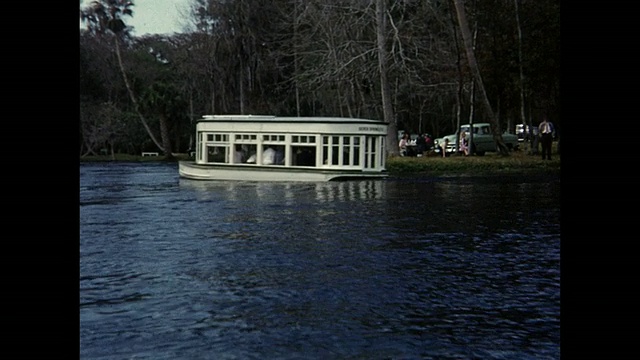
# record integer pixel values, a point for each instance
(274, 148)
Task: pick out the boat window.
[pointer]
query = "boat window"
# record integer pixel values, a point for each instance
(303, 150)
(346, 150)
(273, 138)
(356, 150)
(246, 137)
(382, 147)
(217, 154)
(218, 137)
(350, 150)
(341, 150)
(330, 150)
(370, 152)
(245, 153)
(335, 157)
(303, 139)
(273, 155)
(303, 155)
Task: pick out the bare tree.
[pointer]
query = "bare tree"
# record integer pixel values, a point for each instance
(385, 90)
(523, 119)
(473, 65)
(101, 126)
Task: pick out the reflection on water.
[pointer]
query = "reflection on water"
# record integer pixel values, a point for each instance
(424, 268)
(289, 192)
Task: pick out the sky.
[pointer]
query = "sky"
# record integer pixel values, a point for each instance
(155, 16)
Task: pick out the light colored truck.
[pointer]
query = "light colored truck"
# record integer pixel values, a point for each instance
(482, 140)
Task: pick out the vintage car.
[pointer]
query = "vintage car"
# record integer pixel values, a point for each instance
(482, 140)
(522, 131)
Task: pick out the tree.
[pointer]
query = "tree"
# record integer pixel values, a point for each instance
(101, 127)
(473, 65)
(103, 15)
(163, 79)
(385, 91)
(393, 60)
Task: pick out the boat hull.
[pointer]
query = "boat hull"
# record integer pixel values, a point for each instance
(191, 170)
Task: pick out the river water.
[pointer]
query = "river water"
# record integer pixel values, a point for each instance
(399, 268)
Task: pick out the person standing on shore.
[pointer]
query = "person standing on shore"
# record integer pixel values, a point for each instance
(464, 144)
(545, 129)
(444, 147)
(403, 144)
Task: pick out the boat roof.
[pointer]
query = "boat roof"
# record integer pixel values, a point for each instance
(286, 119)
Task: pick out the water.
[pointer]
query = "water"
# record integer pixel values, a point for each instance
(404, 268)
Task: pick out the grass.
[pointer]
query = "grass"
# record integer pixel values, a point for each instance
(130, 158)
(517, 162)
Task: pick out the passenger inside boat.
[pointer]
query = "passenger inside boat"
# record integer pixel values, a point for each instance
(216, 154)
(250, 153)
(268, 156)
(238, 155)
(305, 156)
(273, 155)
(279, 158)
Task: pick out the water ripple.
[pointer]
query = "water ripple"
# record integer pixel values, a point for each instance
(398, 269)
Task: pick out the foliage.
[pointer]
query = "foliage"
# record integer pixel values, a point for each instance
(294, 57)
(102, 15)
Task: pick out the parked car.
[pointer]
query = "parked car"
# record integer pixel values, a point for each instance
(522, 131)
(482, 140)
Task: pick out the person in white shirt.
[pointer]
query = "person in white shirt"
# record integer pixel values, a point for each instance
(464, 143)
(403, 144)
(545, 129)
(444, 145)
(268, 156)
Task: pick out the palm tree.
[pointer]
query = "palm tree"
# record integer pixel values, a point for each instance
(161, 99)
(103, 15)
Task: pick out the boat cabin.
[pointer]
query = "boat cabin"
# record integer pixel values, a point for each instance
(287, 148)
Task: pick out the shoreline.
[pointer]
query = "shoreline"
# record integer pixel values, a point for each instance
(517, 163)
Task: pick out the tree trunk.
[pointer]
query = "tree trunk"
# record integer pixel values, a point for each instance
(392, 132)
(191, 128)
(213, 98)
(166, 139)
(532, 138)
(87, 143)
(459, 93)
(522, 116)
(241, 86)
(473, 65)
(133, 98)
(472, 101)
(296, 67)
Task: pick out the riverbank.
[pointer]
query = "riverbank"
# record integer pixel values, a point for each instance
(518, 162)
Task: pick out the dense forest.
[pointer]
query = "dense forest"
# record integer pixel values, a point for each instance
(408, 62)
